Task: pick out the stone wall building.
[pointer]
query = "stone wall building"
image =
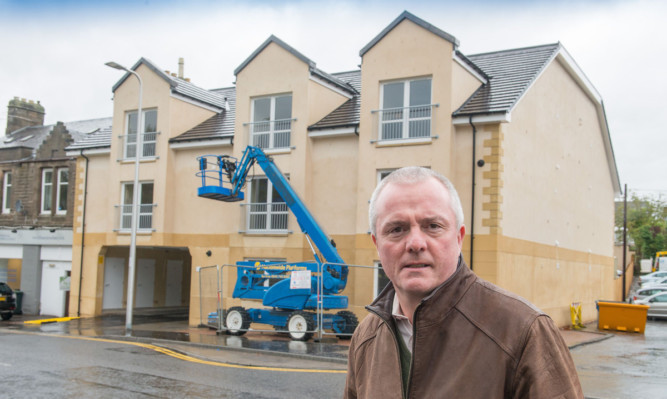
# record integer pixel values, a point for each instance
(37, 205)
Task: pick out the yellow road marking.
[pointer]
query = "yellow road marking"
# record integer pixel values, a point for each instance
(55, 320)
(181, 356)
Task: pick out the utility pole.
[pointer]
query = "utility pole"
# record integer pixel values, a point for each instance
(625, 232)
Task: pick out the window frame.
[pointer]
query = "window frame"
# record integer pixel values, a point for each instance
(150, 143)
(275, 126)
(60, 188)
(282, 212)
(7, 192)
(404, 114)
(44, 186)
(126, 208)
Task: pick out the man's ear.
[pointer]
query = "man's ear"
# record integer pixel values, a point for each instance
(462, 233)
(376, 243)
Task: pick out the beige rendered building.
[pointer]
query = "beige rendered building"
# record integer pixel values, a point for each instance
(521, 133)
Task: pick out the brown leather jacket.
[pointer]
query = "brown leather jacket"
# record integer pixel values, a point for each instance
(471, 340)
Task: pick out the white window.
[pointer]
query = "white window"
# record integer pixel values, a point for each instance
(405, 110)
(145, 221)
(61, 194)
(266, 211)
(7, 193)
(380, 279)
(271, 121)
(384, 173)
(47, 190)
(149, 137)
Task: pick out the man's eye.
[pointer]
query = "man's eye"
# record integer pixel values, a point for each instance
(395, 230)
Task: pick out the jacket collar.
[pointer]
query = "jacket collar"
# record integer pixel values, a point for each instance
(435, 306)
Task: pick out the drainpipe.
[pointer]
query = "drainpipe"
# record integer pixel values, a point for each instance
(625, 235)
(472, 209)
(83, 231)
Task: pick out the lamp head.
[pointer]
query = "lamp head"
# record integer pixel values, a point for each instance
(116, 65)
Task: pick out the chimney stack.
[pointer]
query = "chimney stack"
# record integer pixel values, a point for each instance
(181, 64)
(22, 113)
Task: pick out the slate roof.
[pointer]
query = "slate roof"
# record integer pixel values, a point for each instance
(312, 66)
(218, 126)
(347, 115)
(179, 86)
(511, 73)
(34, 136)
(191, 91)
(95, 140)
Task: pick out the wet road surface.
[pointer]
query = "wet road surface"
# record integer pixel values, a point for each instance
(627, 365)
(610, 364)
(48, 365)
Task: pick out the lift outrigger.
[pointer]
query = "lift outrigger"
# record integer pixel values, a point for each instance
(287, 308)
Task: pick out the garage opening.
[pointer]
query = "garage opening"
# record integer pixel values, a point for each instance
(162, 279)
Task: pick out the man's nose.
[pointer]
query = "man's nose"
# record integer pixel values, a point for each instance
(415, 241)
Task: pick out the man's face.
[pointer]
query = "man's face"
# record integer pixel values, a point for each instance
(416, 236)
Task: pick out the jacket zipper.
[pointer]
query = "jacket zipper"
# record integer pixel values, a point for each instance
(412, 353)
(398, 352)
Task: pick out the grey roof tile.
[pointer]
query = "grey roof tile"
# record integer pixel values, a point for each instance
(217, 126)
(96, 140)
(178, 85)
(34, 136)
(331, 78)
(511, 73)
(346, 115)
(189, 90)
(352, 78)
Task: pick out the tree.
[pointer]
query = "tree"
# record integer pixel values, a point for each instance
(647, 225)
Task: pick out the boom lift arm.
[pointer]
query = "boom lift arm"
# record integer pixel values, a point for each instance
(257, 280)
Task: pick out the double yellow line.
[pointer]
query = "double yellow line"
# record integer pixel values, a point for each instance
(181, 356)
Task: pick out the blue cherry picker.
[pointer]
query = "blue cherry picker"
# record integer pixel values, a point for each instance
(287, 307)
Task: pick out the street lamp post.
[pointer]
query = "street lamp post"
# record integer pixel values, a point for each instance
(132, 261)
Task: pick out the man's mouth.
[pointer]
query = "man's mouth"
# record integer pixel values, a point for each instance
(416, 266)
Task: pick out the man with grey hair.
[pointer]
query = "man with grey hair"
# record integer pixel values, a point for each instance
(438, 330)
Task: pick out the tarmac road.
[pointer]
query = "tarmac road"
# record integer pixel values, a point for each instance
(610, 364)
(627, 365)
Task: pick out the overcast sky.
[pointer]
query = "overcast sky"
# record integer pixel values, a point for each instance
(54, 51)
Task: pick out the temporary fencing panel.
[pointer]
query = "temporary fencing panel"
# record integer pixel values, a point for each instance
(220, 310)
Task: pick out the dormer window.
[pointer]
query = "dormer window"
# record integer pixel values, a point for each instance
(271, 124)
(149, 135)
(405, 110)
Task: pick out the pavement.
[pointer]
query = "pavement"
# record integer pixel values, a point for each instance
(169, 328)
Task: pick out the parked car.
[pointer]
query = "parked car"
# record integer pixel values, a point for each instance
(653, 276)
(644, 292)
(7, 301)
(657, 304)
(653, 283)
